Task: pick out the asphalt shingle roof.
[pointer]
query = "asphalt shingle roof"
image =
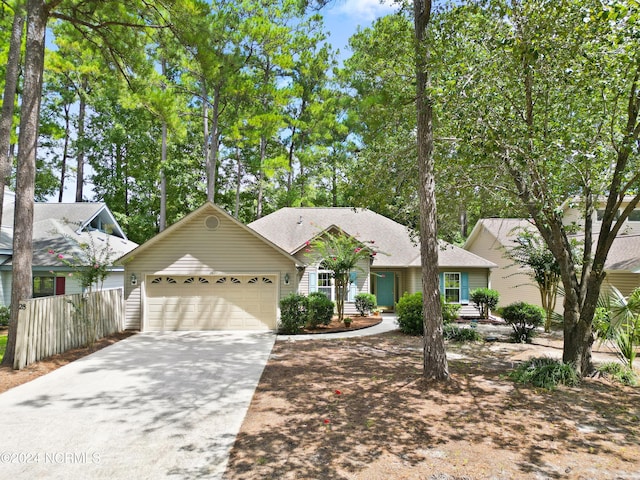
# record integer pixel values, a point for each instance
(290, 228)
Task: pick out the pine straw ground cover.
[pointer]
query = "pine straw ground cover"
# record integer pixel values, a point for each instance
(359, 409)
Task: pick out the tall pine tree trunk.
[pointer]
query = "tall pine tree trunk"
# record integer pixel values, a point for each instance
(163, 161)
(21, 284)
(212, 157)
(435, 357)
(65, 151)
(8, 99)
(82, 109)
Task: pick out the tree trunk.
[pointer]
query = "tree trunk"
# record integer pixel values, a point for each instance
(435, 357)
(163, 179)
(205, 131)
(263, 156)
(8, 99)
(212, 157)
(163, 161)
(65, 151)
(82, 109)
(236, 211)
(21, 283)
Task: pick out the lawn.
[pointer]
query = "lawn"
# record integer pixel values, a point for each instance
(359, 409)
(3, 345)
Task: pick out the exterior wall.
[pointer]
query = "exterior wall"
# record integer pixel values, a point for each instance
(509, 280)
(113, 280)
(193, 249)
(625, 282)
(5, 288)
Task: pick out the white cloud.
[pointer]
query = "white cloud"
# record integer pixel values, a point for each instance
(365, 10)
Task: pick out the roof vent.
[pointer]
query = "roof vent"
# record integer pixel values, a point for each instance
(212, 222)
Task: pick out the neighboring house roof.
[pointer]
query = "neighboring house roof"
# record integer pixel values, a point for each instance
(624, 255)
(397, 246)
(62, 228)
(214, 209)
(504, 230)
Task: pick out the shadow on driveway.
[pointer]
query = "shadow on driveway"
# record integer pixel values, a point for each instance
(153, 405)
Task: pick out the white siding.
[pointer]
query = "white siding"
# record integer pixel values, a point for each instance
(192, 249)
(5, 288)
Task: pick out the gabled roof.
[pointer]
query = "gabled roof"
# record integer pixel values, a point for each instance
(397, 246)
(504, 230)
(62, 227)
(624, 255)
(208, 206)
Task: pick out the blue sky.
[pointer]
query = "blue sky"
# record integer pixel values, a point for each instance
(343, 17)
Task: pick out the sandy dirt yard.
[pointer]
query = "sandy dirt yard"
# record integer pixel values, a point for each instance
(359, 409)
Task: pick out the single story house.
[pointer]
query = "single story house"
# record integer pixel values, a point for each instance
(208, 271)
(394, 270)
(491, 238)
(61, 229)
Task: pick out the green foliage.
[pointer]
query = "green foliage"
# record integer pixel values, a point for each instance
(461, 334)
(365, 303)
(617, 322)
(523, 318)
(532, 253)
(5, 315)
(621, 373)
(293, 313)
(409, 314)
(485, 298)
(3, 345)
(89, 261)
(340, 254)
(450, 311)
(319, 309)
(545, 372)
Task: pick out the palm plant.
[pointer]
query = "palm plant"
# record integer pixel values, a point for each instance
(617, 321)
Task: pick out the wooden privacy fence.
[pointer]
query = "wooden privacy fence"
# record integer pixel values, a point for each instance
(51, 325)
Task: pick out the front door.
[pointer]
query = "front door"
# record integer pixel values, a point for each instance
(385, 289)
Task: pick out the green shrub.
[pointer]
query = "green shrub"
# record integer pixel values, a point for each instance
(365, 302)
(5, 314)
(293, 313)
(409, 314)
(450, 311)
(545, 372)
(461, 334)
(523, 318)
(618, 371)
(319, 309)
(486, 299)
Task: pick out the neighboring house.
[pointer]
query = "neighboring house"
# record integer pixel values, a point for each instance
(207, 272)
(210, 272)
(62, 227)
(492, 237)
(394, 270)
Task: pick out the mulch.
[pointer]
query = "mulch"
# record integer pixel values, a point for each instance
(357, 323)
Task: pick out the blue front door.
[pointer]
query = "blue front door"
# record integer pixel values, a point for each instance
(385, 289)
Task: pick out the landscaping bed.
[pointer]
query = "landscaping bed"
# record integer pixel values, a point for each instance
(357, 323)
(359, 409)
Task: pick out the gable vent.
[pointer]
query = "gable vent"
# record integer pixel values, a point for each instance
(211, 222)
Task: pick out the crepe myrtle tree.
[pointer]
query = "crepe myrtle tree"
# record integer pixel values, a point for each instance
(339, 254)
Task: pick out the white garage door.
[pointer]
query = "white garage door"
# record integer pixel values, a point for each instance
(222, 302)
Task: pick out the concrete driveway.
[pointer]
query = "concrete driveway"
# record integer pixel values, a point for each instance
(164, 405)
